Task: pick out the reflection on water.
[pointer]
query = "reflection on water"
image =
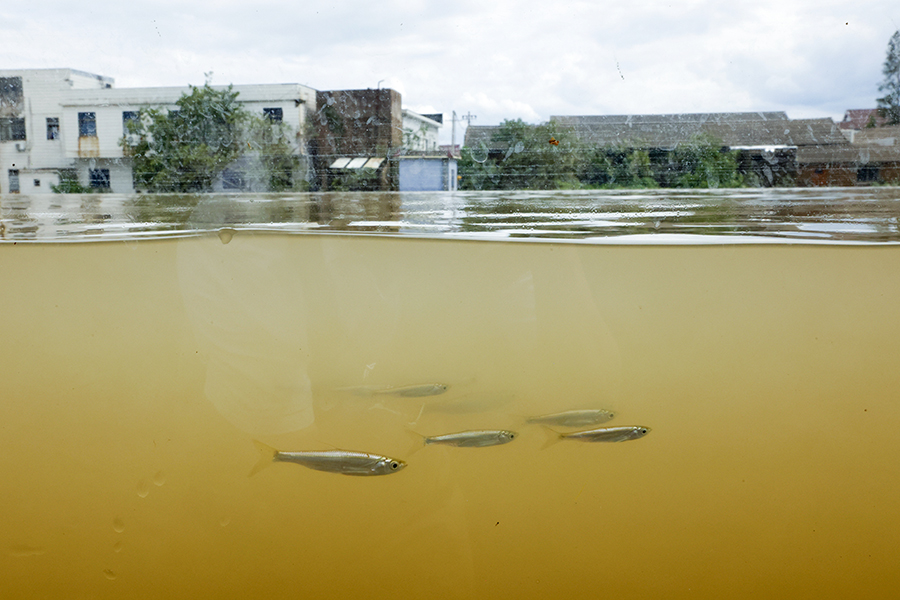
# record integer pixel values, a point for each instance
(844, 214)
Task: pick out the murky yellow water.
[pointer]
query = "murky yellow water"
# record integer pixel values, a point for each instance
(135, 377)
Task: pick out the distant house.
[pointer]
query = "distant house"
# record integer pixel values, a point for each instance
(856, 119)
(424, 165)
(776, 149)
(873, 157)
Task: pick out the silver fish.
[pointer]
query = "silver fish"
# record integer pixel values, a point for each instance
(474, 438)
(605, 434)
(416, 391)
(574, 418)
(409, 391)
(331, 461)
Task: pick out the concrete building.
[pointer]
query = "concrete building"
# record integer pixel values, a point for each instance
(358, 137)
(57, 123)
(424, 165)
(58, 120)
(32, 139)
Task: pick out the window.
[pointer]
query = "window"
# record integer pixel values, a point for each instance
(127, 117)
(13, 181)
(99, 178)
(276, 115)
(12, 129)
(52, 128)
(87, 124)
(10, 95)
(867, 173)
(37, 183)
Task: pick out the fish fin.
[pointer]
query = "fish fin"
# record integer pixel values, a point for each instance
(418, 441)
(553, 436)
(266, 456)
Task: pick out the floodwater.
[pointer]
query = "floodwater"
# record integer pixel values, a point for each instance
(139, 365)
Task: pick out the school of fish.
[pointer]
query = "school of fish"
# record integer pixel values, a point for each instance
(362, 464)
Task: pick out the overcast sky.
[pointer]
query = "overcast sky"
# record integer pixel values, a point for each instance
(502, 59)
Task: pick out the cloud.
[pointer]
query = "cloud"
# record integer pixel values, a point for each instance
(504, 59)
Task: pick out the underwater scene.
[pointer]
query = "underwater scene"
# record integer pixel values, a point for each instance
(482, 395)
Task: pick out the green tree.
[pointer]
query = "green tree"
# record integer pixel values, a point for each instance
(704, 163)
(889, 104)
(617, 167)
(184, 150)
(187, 149)
(523, 157)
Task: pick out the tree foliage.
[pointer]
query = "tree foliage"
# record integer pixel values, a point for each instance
(523, 156)
(187, 149)
(889, 104)
(703, 163)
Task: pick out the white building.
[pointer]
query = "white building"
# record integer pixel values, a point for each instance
(58, 119)
(55, 121)
(424, 165)
(420, 132)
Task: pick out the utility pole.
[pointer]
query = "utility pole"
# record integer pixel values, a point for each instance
(468, 118)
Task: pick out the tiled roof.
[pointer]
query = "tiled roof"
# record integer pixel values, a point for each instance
(859, 118)
(667, 131)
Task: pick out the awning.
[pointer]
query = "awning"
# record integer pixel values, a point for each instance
(359, 162)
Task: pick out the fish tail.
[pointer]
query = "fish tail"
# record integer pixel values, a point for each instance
(553, 436)
(266, 457)
(418, 441)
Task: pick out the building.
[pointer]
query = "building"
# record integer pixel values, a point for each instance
(63, 120)
(31, 134)
(425, 166)
(773, 148)
(857, 119)
(358, 135)
(58, 123)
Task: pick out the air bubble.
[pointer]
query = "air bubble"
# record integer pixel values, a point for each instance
(159, 479)
(118, 525)
(225, 234)
(109, 574)
(143, 488)
(117, 547)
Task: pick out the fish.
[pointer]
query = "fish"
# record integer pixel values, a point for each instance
(416, 391)
(574, 418)
(473, 438)
(409, 391)
(605, 434)
(554, 141)
(343, 462)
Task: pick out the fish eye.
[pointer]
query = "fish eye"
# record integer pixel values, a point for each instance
(512, 436)
(394, 465)
(643, 431)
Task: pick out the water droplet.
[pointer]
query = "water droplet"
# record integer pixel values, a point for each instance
(143, 488)
(225, 521)
(159, 479)
(117, 547)
(109, 574)
(225, 234)
(118, 525)
(480, 153)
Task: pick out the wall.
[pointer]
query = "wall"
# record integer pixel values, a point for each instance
(358, 123)
(427, 174)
